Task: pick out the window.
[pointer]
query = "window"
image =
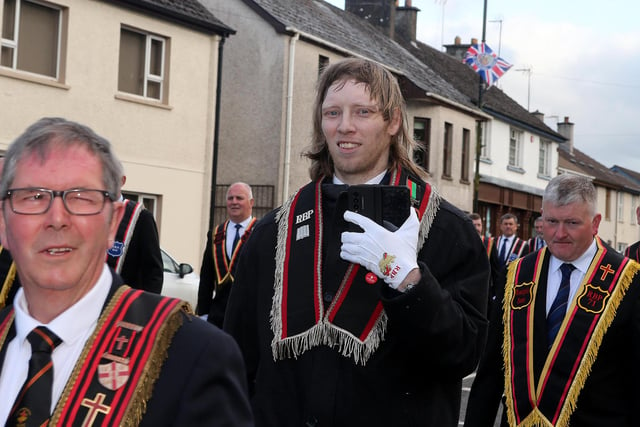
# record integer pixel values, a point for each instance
(142, 64)
(634, 203)
(544, 158)
(607, 205)
(486, 140)
(447, 150)
(323, 61)
(32, 37)
(620, 207)
(422, 135)
(466, 147)
(149, 201)
(515, 148)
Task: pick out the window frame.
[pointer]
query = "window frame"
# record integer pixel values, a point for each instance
(465, 157)
(516, 137)
(544, 158)
(14, 43)
(422, 156)
(447, 151)
(148, 77)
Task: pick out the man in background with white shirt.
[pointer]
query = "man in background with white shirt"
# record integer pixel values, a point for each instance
(221, 253)
(564, 344)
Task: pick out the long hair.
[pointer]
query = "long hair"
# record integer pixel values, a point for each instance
(384, 89)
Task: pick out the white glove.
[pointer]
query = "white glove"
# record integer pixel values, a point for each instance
(390, 255)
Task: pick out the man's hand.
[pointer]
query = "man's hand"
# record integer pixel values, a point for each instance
(390, 255)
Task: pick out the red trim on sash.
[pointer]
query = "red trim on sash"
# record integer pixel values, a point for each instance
(138, 353)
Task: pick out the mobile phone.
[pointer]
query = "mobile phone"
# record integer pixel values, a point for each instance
(387, 205)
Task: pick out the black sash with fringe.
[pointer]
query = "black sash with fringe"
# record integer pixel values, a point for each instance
(223, 266)
(551, 398)
(355, 322)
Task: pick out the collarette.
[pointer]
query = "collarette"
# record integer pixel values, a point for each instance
(581, 263)
(71, 324)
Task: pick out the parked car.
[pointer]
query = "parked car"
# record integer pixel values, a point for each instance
(180, 281)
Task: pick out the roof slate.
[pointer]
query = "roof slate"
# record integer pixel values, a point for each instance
(602, 175)
(188, 12)
(628, 173)
(348, 31)
(462, 77)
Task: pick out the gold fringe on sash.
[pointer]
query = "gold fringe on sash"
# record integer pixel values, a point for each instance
(138, 404)
(536, 418)
(591, 353)
(8, 283)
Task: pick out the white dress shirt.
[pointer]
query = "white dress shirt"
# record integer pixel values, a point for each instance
(74, 326)
(554, 275)
(231, 233)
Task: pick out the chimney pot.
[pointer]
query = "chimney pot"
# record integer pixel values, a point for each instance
(566, 119)
(474, 40)
(457, 40)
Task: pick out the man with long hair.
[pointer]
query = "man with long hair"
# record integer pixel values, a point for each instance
(373, 328)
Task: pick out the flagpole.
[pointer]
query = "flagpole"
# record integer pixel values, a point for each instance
(476, 179)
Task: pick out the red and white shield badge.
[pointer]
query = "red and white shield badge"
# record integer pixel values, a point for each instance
(113, 375)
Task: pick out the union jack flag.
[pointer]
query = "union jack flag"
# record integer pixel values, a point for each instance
(486, 63)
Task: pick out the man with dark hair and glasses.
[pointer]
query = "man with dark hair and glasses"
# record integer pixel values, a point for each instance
(76, 344)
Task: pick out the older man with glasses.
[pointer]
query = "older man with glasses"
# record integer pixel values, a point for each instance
(120, 356)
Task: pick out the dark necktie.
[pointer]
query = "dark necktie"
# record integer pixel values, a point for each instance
(503, 251)
(236, 239)
(559, 305)
(33, 404)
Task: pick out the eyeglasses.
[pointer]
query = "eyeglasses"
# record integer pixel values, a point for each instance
(36, 201)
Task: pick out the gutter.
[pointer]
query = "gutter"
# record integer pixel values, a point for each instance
(289, 114)
(216, 137)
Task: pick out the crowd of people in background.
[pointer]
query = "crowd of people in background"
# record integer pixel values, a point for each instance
(314, 315)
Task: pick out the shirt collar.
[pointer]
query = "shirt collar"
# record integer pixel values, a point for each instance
(71, 324)
(375, 180)
(581, 263)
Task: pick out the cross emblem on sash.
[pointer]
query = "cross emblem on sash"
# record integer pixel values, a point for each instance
(120, 341)
(95, 406)
(606, 270)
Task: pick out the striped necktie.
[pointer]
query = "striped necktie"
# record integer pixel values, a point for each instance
(33, 404)
(559, 305)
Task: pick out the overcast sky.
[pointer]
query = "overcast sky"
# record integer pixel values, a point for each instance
(584, 58)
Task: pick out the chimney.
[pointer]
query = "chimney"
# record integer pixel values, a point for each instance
(457, 49)
(380, 13)
(406, 21)
(565, 129)
(539, 115)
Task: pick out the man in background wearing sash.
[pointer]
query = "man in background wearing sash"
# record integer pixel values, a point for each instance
(537, 242)
(135, 253)
(372, 328)
(104, 354)
(9, 282)
(221, 253)
(633, 251)
(565, 343)
(508, 244)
